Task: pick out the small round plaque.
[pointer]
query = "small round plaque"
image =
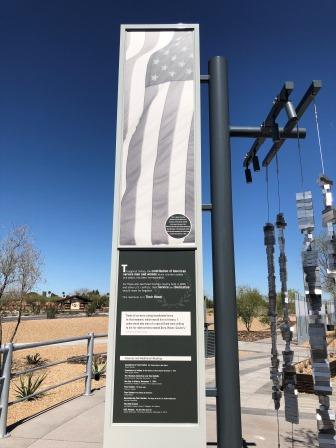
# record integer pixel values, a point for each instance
(178, 226)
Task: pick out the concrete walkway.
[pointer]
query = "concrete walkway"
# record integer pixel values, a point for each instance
(79, 423)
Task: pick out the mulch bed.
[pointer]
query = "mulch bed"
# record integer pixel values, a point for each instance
(251, 336)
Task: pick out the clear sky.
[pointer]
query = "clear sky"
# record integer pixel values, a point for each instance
(58, 97)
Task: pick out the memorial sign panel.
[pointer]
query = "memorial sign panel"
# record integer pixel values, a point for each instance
(155, 381)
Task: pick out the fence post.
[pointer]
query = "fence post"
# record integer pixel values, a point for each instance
(89, 361)
(6, 375)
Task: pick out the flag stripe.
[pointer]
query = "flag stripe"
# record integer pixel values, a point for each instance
(134, 43)
(133, 169)
(178, 161)
(190, 188)
(134, 72)
(135, 75)
(162, 164)
(150, 146)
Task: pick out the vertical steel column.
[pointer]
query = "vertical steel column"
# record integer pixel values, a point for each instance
(224, 283)
(6, 378)
(89, 361)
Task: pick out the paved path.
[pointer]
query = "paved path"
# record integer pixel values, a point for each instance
(79, 423)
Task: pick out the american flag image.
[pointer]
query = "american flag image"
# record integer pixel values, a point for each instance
(157, 179)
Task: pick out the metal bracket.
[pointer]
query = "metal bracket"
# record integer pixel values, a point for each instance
(264, 132)
(206, 207)
(269, 123)
(307, 98)
(270, 128)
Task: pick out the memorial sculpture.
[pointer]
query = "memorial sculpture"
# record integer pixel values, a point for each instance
(288, 370)
(317, 335)
(269, 241)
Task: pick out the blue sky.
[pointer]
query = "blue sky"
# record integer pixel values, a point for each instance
(58, 90)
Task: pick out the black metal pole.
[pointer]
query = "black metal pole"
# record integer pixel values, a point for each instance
(224, 283)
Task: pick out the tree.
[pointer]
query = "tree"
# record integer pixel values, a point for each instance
(208, 302)
(291, 303)
(20, 270)
(249, 304)
(327, 283)
(264, 317)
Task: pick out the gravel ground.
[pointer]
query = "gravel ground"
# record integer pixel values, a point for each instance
(55, 375)
(42, 330)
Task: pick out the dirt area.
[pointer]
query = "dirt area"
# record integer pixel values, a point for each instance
(251, 336)
(256, 324)
(258, 330)
(55, 374)
(43, 330)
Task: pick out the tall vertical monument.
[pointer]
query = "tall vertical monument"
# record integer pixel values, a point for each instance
(155, 382)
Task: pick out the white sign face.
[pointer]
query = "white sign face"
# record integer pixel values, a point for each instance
(155, 392)
(74, 305)
(155, 323)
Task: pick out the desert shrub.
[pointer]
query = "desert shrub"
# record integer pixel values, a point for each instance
(29, 385)
(34, 360)
(98, 367)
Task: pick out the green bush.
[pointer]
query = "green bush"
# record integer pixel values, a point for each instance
(51, 313)
(250, 304)
(91, 308)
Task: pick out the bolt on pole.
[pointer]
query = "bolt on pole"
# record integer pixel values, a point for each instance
(227, 362)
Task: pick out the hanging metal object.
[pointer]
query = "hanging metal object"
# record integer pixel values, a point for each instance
(329, 221)
(288, 370)
(269, 241)
(317, 334)
(325, 416)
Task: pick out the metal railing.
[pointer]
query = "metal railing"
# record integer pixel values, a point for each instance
(209, 343)
(7, 351)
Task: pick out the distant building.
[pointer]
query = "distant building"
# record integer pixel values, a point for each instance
(73, 303)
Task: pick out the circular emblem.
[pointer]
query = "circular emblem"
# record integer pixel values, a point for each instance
(178, 226)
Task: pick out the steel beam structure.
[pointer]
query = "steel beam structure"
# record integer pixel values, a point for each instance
(307, 98)
(278, 104)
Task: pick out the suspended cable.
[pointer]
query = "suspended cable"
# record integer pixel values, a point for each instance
(277, 414)
(300, 156)
(277, 172)
(318, 135)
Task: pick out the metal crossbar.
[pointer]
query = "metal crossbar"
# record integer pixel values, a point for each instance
(28, 345)
(47, 389)
(40, 367)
